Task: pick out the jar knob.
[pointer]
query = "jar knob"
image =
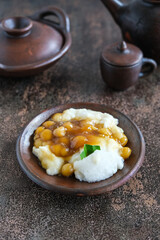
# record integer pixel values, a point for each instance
(122, 46)
(17, 26)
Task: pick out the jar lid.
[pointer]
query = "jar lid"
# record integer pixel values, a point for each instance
(123, 54)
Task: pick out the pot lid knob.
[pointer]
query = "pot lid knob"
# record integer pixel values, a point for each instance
(122, 46)
(17, 26)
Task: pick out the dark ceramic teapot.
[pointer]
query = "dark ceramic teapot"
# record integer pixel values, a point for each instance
(140, 24)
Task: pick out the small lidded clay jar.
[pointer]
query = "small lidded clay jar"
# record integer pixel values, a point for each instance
(122, 64)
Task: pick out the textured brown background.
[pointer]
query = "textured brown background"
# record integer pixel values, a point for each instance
(130, 212)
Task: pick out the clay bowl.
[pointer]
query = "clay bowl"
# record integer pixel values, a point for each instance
(29, 163)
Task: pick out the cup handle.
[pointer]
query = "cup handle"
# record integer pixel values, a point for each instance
(148, 66)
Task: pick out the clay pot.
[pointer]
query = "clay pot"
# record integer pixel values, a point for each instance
(30, 45)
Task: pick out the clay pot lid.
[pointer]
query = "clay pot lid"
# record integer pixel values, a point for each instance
(23, 41)
(122, 54)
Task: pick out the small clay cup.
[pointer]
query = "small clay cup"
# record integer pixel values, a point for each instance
(123, 64)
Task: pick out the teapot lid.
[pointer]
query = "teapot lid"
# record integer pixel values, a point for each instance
(24, 41)
(122, 54)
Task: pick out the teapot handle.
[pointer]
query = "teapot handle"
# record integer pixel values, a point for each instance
(148, 66)
(63, 23)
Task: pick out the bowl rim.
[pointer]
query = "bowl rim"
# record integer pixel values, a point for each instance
(78, 191)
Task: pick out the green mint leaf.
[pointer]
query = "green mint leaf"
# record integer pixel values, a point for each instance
(82, 155)
(89, 149)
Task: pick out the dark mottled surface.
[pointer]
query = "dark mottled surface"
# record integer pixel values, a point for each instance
(130, 212)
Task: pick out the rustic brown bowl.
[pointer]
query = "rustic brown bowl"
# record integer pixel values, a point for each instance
(29, 163)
